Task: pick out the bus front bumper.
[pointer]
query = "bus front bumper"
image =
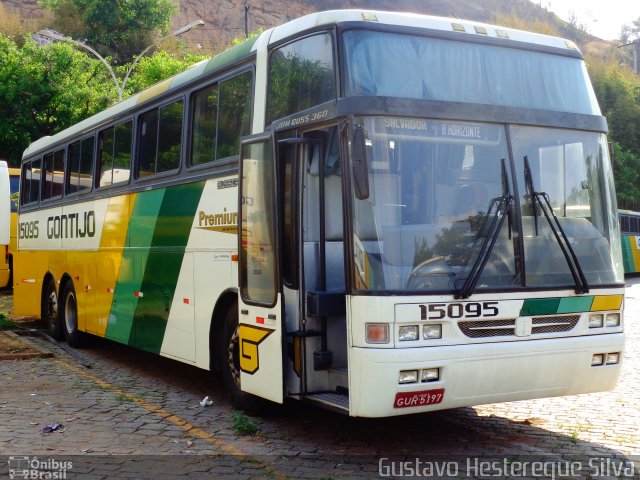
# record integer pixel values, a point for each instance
(476, 374)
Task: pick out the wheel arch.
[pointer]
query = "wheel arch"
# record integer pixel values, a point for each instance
(226, 299)
(48, 278)
(66, 278)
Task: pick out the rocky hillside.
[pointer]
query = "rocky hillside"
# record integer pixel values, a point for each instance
(225, 19)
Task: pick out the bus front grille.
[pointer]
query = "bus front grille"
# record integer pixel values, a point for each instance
(488, 328)
(507, 328)
(556, 324)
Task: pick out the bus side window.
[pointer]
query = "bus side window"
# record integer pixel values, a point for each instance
(30, 190)
(80, 166)
(221, 115)
(301, 75)
(114, 154)
(160, 138)
(53, 169)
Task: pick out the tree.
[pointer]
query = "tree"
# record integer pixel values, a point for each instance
(630, 32)
(151, 70)
(116, 28)
(44, 90)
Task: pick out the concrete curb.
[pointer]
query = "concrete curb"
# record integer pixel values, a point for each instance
(40, 352)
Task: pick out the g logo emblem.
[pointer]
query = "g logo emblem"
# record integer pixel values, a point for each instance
(250, 338)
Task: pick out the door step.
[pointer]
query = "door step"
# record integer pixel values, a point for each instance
(330, 400)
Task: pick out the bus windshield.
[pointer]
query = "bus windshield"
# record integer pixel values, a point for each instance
(436, 190)
(458, 71)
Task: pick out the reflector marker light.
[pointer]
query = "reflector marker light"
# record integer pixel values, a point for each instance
(138, 294)
(111, 290)
(29, 280)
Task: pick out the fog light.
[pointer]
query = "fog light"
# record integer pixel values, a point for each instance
(432, 331)
(613, 358)
(596, 320)
(408, 376)
(409, 332)
(430, 375)
(613, 320)
(597, 359)
(377, 333)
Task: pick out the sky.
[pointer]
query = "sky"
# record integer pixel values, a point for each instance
(603, 18)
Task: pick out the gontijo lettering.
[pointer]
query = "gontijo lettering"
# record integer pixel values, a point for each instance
(73, 225)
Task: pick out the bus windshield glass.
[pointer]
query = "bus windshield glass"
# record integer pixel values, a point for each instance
(441, 200)
(459, 71)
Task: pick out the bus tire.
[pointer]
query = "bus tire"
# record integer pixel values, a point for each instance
(69, 316)
(49, 309)
(230, 367)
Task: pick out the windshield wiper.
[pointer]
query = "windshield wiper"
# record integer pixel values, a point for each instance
(503, 207)
(541, 200)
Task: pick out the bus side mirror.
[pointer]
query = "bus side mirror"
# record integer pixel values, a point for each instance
(359, 164)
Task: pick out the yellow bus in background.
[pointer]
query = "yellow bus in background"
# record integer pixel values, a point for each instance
(7, 250)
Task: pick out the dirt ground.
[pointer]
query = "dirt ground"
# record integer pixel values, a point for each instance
(12, 347)
(6, 302)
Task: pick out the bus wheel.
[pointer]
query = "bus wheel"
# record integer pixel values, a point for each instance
(230, 367)
(69, 316)
(49, 311)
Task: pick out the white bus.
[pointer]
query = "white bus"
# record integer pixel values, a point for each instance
(382, 213)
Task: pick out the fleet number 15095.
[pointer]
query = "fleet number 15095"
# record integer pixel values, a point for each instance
(438, 311)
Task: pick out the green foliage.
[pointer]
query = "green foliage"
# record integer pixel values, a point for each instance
(153, 69)
(5, 323)
(244, 425)
(241, 40)
(627, 178)
(45, 89)
(120, 29)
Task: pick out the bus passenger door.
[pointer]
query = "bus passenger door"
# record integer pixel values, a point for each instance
(260, 300)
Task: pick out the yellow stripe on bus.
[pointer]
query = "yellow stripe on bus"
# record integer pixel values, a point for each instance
(606, 302)
(635, 253)
(109, 258)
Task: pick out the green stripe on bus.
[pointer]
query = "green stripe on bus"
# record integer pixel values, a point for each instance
(163, 264)
(627, 254)
(540, 306)
(553, 306)
(575, 304)
(134, 258)
(232, 55)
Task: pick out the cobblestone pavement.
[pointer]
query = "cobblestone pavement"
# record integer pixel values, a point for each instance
(128, 414)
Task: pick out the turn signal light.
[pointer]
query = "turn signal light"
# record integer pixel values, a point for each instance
(377, 333)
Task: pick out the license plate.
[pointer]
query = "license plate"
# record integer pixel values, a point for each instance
(418, 399)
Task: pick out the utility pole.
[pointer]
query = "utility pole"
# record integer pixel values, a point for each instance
(246, 20)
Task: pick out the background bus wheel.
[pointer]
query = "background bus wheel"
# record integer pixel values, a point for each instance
(69, 316)
(49, 309)
(230, 367)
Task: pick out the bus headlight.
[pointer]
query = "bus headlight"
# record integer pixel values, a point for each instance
(613, 358)
(596, 320)
(597, 359)
(408, 333)
(430, 375)
(432, 331)
(613, 320)
(408, 376)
